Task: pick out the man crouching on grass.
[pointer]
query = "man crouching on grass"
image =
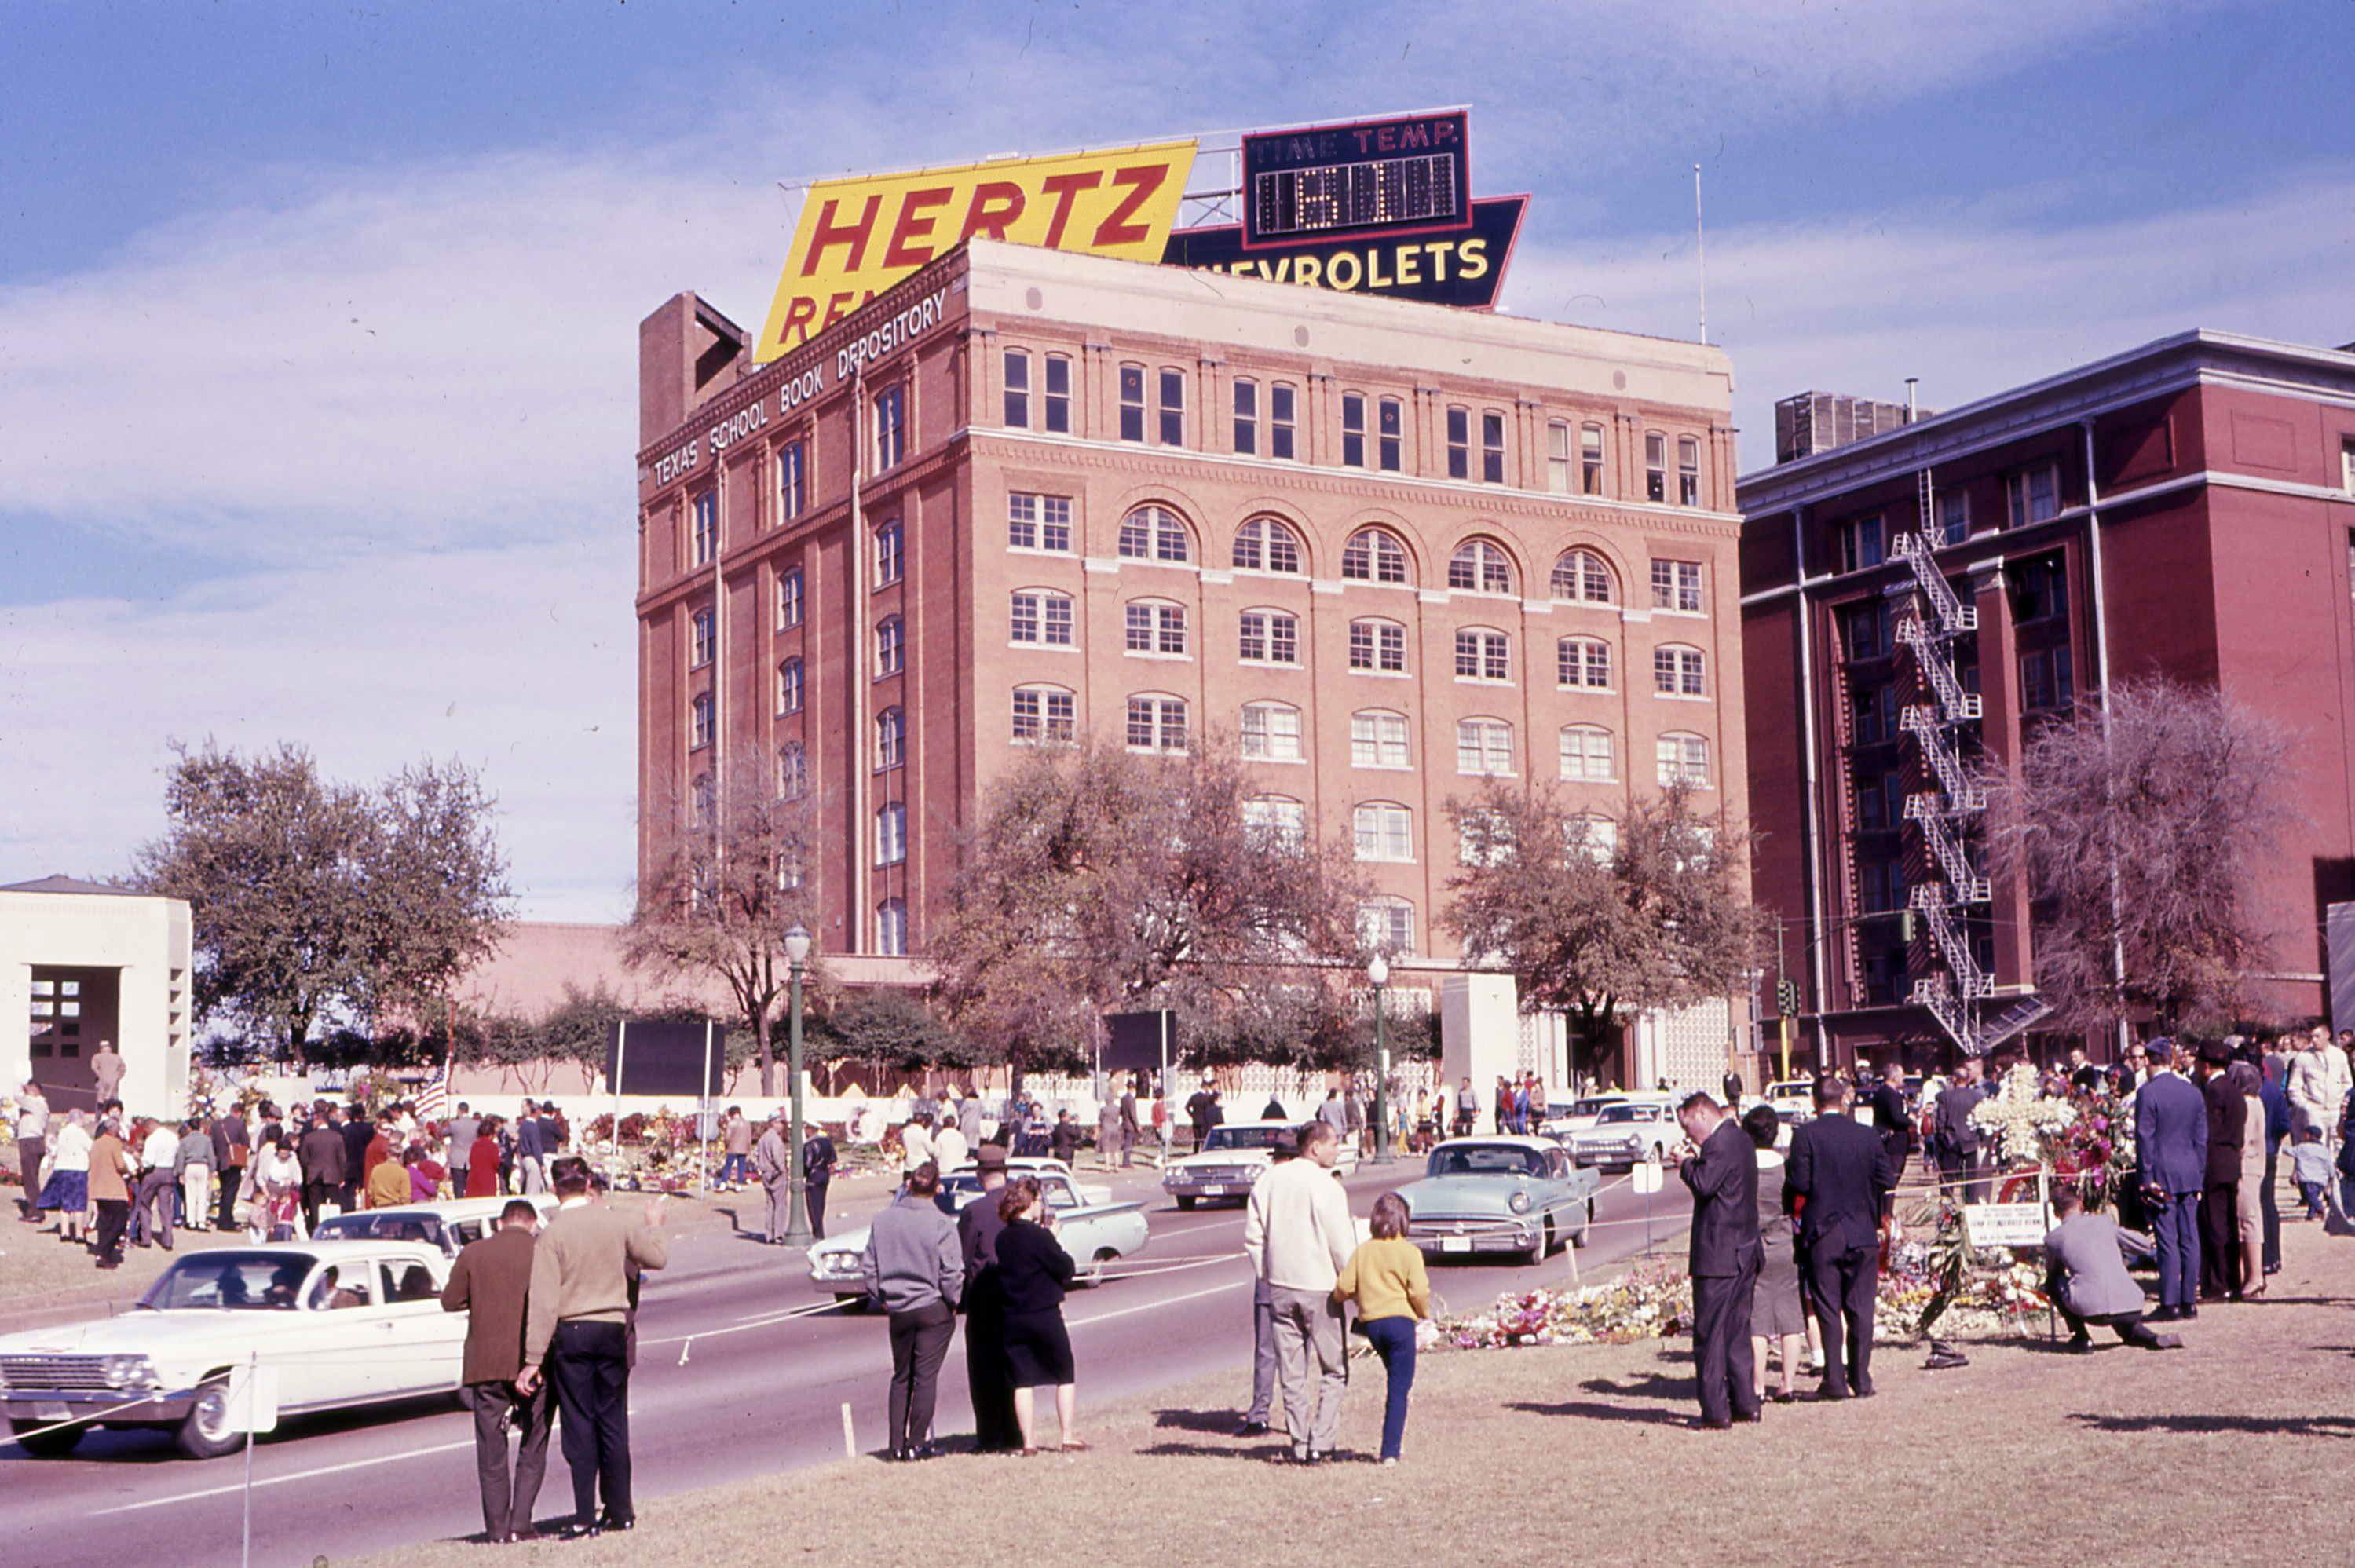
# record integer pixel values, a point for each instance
(2086, 1279)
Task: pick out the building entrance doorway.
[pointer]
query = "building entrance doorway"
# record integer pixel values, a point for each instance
(73, 1009)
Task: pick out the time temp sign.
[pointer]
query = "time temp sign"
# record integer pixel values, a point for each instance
(1412, 174)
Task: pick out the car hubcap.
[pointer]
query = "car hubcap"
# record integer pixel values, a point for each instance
(212, 1414)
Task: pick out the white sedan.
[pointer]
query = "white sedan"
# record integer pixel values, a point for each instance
(342, 1323)
(1234, 1157)
(1094, 1230)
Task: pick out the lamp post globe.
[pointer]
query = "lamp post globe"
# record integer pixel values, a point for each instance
(797, 951)
(1378, 971)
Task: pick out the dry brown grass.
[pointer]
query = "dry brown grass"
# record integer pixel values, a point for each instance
(36, 1264)
(1524, 1456)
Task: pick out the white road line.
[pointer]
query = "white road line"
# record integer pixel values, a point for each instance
(281, 1480)
(1156, 1306)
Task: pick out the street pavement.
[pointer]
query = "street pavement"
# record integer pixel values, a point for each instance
(742, 1369)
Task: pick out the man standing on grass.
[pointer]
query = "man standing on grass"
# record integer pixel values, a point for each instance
(1281, 1149)
(106, 1067)
(2171, 1149)
(459, 1133)
(1846, 1172)
(1724, 1258)
(1298, 1234)
(32, 1131)
(491, 1283)
(1955, 1139)
(989, 1378)
(2220, 1196)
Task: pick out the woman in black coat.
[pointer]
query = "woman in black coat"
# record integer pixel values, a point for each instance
(1033, 1270)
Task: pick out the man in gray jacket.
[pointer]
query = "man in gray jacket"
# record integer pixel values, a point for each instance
(2086, 1279)
(914, 1262)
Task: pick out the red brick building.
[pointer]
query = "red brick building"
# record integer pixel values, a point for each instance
(1025, 494)
(2183, 508)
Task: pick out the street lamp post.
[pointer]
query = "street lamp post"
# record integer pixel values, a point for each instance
(797, 1227)
(1378, 971)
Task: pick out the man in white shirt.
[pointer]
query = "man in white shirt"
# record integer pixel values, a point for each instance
(2311, 1079)
(155, 1207)
(2338, 1079)
(1298, 1234)
(917, 1140)
(32, 1145)
(949, 1149)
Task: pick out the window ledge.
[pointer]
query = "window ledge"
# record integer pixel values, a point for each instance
(1383, 673)
(1384, 767)
(1044, 647)
(1268, 664)
(1681, 697)
(1483, 680)
(1279, 762)
(1162, 659)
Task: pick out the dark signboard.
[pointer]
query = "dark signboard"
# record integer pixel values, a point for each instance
(1460, 269)
(1134, 1040)
(1408, 174)
(646, 1057)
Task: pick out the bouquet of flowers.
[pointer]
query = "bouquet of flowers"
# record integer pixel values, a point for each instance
(1650, 1302)
(2019, 1121)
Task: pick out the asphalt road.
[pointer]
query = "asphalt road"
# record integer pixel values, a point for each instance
(742, 1369)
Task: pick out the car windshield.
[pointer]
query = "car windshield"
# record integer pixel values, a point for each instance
(1629, 1114)
(1590, 1107)
(1487, 1159)
(1240, 1138)
(237, 1281)
(426, 1228)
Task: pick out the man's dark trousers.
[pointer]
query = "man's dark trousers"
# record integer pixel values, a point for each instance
(1721, 1349)
(29, 1154)
(919, 1343)
(989, 1378)
(506, 1505)
(1840, 1290)
(2219, 1238)
(2269, 1203)
(590, 1367)
(2129, 1324)
(817, 1190)
(2175, 1225)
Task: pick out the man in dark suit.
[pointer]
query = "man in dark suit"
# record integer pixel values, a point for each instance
(359, 1133)
(1956, 1140)
(2171, 1147)
(491, 1283)
(2220, 1196)
(818, 1158)
(1844, 1172)
(1890, 1117)
(1723, 1260)
(321, 1151)
(989, 1377)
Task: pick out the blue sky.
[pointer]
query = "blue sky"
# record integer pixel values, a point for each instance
(317, 324)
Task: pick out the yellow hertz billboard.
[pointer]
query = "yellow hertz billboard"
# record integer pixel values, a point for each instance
(858, 237)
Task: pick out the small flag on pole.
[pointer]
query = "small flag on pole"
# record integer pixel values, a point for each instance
(434, 1099)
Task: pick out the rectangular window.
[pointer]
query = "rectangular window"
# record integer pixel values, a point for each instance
(1590, 459)
(1655, 467)
(1872, 715)
(1863, 542)
(1042, 618)
(1156, 628)
(1677, 672)
(1132, 402)
(890, 646)
(2033, 497)
(699, 721)
(891, 428)
(791, 481)
(704, 527)
(1376, 741)
(889, 561)
(1880, 887)
(1059, 394)
(1676, 585)
(1688, 471)
(1271, 732)
(698, 639)
(1459, 444)
(891, 834)
(1492, 448)
(1586, 754)
(1284, 821)
(1038, 522)
(1583, 662)
(1018, 388)
(1879, 801)
(1954, 516)
(1682, 759)
(1247, 418)
(1387, 925)
(1385, 833)
(1378, 646)
(2047, 680)
(2040, 591)
(1558, 458)
(1173, 408)
(1483, 747)
(1269, 636)
(1483, 656)
(1865, 630)
(1043, 714)
(1353, 430)
(1391, 444)
(789, 600)
(789, 686)
(1281, 400)
(892, 929)
(1157, 724)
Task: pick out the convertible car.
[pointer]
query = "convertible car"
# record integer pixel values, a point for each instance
(1092, 1229)
(1500, 1195)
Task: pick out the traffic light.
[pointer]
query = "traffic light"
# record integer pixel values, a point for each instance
(1905, 927)
(1787, 997)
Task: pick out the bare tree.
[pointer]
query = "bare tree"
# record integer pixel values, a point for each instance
(1602, 930)
(1100, 879)
(2136, 830)
(729, 883)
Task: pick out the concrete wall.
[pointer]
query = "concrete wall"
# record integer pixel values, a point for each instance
(147, 941)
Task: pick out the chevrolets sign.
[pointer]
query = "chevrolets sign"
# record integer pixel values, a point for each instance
(858, 237)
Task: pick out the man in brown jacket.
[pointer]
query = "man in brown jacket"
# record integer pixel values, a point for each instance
(576, 1326)
(491, 1281)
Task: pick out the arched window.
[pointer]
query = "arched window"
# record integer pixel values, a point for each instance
(1373, 555)
(789, 599)
(1484, 837)
(1264, 544)
(891, 834)
(1153, 533)
(1042, 616)
(892, 928)
(700, 718)
(789, 686)
(1271, 732)
(1683, 759)
(1279, 818)
(703, 801)
(1378, 739)
(1377, 647)
(793, 771)
(890, 646)
(1045, 715)
(1480, 566)
(890, 738)
(1155, 626)
(1385, 831)
(1387, 925)
(699, 637)
(1582, 664)
(1582, 577)
(1688, 471)
(1483, 747)
(1597, 838)
(1157, 722)
(890, 557)
(1482, 652)
(1588, 753)
(1269, 636)
(1679, 671)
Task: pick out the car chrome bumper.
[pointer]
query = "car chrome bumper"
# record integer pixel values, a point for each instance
(1444, 1236)
(137, 1405)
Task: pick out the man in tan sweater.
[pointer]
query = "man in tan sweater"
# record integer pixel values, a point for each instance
(576, 1328)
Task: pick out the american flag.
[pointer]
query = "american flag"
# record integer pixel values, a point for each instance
(434, 1099)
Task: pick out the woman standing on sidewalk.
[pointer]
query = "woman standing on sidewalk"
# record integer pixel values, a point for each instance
(1387, 1280)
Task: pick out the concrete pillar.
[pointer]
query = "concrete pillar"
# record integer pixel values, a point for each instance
(1479, 1036)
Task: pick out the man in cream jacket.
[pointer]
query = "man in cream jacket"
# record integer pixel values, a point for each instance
(1298, 1233)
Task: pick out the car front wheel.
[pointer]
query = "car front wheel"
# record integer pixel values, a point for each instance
(1185, 1204)
(1536, 1253)
(204, 1432)
(49, 1444)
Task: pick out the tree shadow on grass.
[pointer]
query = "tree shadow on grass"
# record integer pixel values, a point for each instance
(1593, 1411)
(2246, 1425)
(1260, 1450)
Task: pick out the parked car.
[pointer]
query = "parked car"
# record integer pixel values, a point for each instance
(1500, 1195)
(1565, 1119)
(1794, 1099)
(1094, 1232)
(1040, 1166)
(1233, 1157)
(342, 1323)
(1625, 1132)
(448, 1225)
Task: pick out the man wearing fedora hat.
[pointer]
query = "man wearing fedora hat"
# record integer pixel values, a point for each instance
(2228, 1119)
(989, 1380)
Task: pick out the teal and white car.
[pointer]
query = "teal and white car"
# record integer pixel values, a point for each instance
(1499, 1195)
(1094, 1230)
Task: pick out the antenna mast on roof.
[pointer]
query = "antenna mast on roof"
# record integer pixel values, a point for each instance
(1700, 248)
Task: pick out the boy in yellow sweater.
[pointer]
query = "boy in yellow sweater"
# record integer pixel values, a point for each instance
(1386, 1279)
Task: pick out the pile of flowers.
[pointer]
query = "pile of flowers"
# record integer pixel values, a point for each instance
(1650, 1302)
(656, 1152)
(2018, 1121)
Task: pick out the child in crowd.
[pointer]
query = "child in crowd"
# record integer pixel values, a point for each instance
(1385, 1279)
(2310, 1164)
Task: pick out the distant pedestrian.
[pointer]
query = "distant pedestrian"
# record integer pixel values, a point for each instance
(275, 1200)
(818, 1159)
(153, 1206)
(192, 1169)
(459, 1133)
(531, 1151)
(68, 1189)
(2220, 1198)
(914, 1266)
(232, 1155)
(969, 1118)
(736, 1138)
(106, 1070)
(1955, 1139)
(1335, 1113)
(1130, 1128)
(1846, 1173)
(773, 1162)
(1197, 1113)
(915, 1142)
(32, 1131)
(949, 1149)
(1034, 1271)
(1108, 1130)
(1467, 1109)
(482, 1161)
(491, 1283)
(1063, 1143)
(2310, 1168)
(1298, 1234)
(1386, 1281)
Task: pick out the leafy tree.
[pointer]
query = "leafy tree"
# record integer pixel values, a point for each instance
(1100, 880)
(2136, 831)
(437, 885)
(1659, 920)
(727, 885)
(891, 1027)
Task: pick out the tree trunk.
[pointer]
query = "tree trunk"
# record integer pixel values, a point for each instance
(768, 1055)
